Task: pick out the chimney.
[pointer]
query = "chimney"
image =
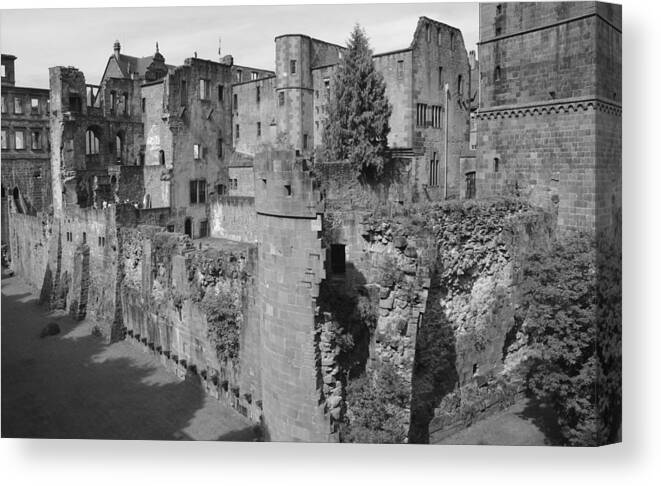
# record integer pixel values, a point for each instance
(116, 48)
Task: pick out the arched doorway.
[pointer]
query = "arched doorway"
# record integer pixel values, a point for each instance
(188, 227)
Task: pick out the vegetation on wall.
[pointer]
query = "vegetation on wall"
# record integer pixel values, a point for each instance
(357, 125)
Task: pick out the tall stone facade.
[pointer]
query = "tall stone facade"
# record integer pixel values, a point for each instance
(549, 121)
(25, 147)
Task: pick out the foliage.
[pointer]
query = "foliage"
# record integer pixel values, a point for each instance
(563, 361)
(357, 126)
(376, 405)
(223, 316)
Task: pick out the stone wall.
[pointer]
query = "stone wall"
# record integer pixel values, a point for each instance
(191, 307)
(233, 218)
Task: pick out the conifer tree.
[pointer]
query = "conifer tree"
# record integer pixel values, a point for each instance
(357, 126)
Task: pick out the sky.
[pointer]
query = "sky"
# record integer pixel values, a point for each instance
(84, 38)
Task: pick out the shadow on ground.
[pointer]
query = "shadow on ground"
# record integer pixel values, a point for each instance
(75, 386)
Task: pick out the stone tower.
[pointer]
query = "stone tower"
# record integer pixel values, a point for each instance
(291, 266)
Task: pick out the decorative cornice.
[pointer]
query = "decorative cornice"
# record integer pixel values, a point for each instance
(553, 107)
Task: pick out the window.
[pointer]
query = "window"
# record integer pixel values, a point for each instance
(400, 69)
(258, 94)
(4, 104)
(221, 92)
(161, 157)
(113, 101)
(239, 75)
(204, 89)
(170, 228)
(460, 86)
(281, 98)
(84, 237)
(305, 141)
(499, 9)
(144, 104)
(91, 143)
(198, 190)
(440, 77)
(259, 129)
(327, 87)
(184, 93)
(452, 41)
(433, 171)
(19, 140)
(204, 230)
(125, 98)
(496, 164)
(237, 132)
(18, 105)
(34, 105)
(36, 140)
(421, 115)
(188, 227)
(236, 102)
(118, 147)
(197, 151)
(428, 32)
(292, 66)
(496, 74)
(4, 139)
(74, 103)
(3, 72)
(142, 158)
(287, 189)
(338, 259)
(254, 75)
(470, 185)
(220, 189)
(499, 30)
(219, 147)
(438, 37)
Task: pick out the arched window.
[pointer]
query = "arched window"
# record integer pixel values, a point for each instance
(91, 142)
(161, 157)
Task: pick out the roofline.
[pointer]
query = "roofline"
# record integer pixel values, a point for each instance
(9, 56)
(153, 83)
(253, 68)
(9, 87)
(254, 80)
(397, 51)
(311, 38)
(439, 23)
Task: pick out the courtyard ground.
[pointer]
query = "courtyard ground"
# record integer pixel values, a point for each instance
(73, 385)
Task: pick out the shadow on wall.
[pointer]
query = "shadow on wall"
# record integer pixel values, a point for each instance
(434, 369)
(79, 388)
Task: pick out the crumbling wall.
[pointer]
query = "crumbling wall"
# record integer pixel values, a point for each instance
(191, 307)
(445, 288)
(233, 217)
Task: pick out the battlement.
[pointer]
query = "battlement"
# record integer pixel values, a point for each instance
(285, 186)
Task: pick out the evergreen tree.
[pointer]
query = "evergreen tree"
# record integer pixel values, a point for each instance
(357, 126)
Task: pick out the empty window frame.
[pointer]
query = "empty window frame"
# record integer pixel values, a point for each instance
(221, 92)
(433, 170)
(125, 108)
(74, 103)
(204, 231)
(36, 140)
(440, 77)
(496, 164)
(4, 139)
(239, 75)
(161, 157)
(91, 143)
(460, 86)
(254, 75)
(327, 87)
(204, 89)
(18, 105)
(496, 74)
(197, 151)
(305, 141)
(236, 102)
(292, 66)
(19, 140)
(237, 131)
(34, 105)
(143, 104)
(219, 147)
(421, 115)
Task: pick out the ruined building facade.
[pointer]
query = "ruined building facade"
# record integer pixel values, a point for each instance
(191, 216)
(25, 147)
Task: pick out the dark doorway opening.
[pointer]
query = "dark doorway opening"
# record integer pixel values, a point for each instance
(188, 227)
(338, 259)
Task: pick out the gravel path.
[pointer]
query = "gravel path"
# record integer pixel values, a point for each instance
(74, 386)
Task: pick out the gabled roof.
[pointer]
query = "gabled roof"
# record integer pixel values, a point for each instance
(131, 64)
